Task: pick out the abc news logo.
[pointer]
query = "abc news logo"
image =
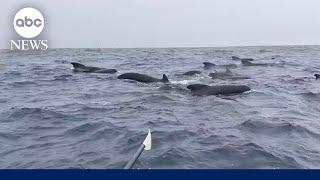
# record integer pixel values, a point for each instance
(28, 23)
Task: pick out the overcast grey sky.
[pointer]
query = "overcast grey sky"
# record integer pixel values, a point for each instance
(169, 23)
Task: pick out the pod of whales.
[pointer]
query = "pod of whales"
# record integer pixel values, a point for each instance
(196, 89)
(142, 78)
(77, 67)
(317, 76)
(205, 90)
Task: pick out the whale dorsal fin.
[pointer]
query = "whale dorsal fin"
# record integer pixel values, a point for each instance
(165, 78)
(206, 64)
(77, 65)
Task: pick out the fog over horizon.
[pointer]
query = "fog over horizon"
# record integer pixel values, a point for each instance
(169, 23)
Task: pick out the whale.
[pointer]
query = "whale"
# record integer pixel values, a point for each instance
(143, 78)
(317, 76)
(248, 63)
(77, 67)
(209, 65)
(239, 78)
(239, 59)
(206, 90)
(191, 73)
(235, 58)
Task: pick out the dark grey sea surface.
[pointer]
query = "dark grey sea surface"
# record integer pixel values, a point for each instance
(51, 117)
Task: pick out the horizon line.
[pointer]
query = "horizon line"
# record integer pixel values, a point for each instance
(179, 47)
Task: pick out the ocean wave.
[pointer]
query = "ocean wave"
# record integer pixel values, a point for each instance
(309, 94)
(9, 136)
(23, 83)
(156, 98)
(63, 77)
(249, 155)
(173, 157)
(18, 113)
(83, 129)
(276, 129)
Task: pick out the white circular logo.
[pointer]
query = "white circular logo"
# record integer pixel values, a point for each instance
(28, 22)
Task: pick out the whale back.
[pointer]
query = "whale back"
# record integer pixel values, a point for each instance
(196, 87)
(88, 69)
(317, 76)
(201, 89)
(227, 89)
(248, 59)
(107, 71)
(142, 77)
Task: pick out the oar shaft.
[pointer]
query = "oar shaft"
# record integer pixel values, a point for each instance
(135, 157)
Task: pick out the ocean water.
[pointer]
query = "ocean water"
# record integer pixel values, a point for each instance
(51, 117)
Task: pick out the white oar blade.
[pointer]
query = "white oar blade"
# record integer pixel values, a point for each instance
(147, 142)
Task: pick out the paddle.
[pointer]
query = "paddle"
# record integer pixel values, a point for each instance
(146, 145)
